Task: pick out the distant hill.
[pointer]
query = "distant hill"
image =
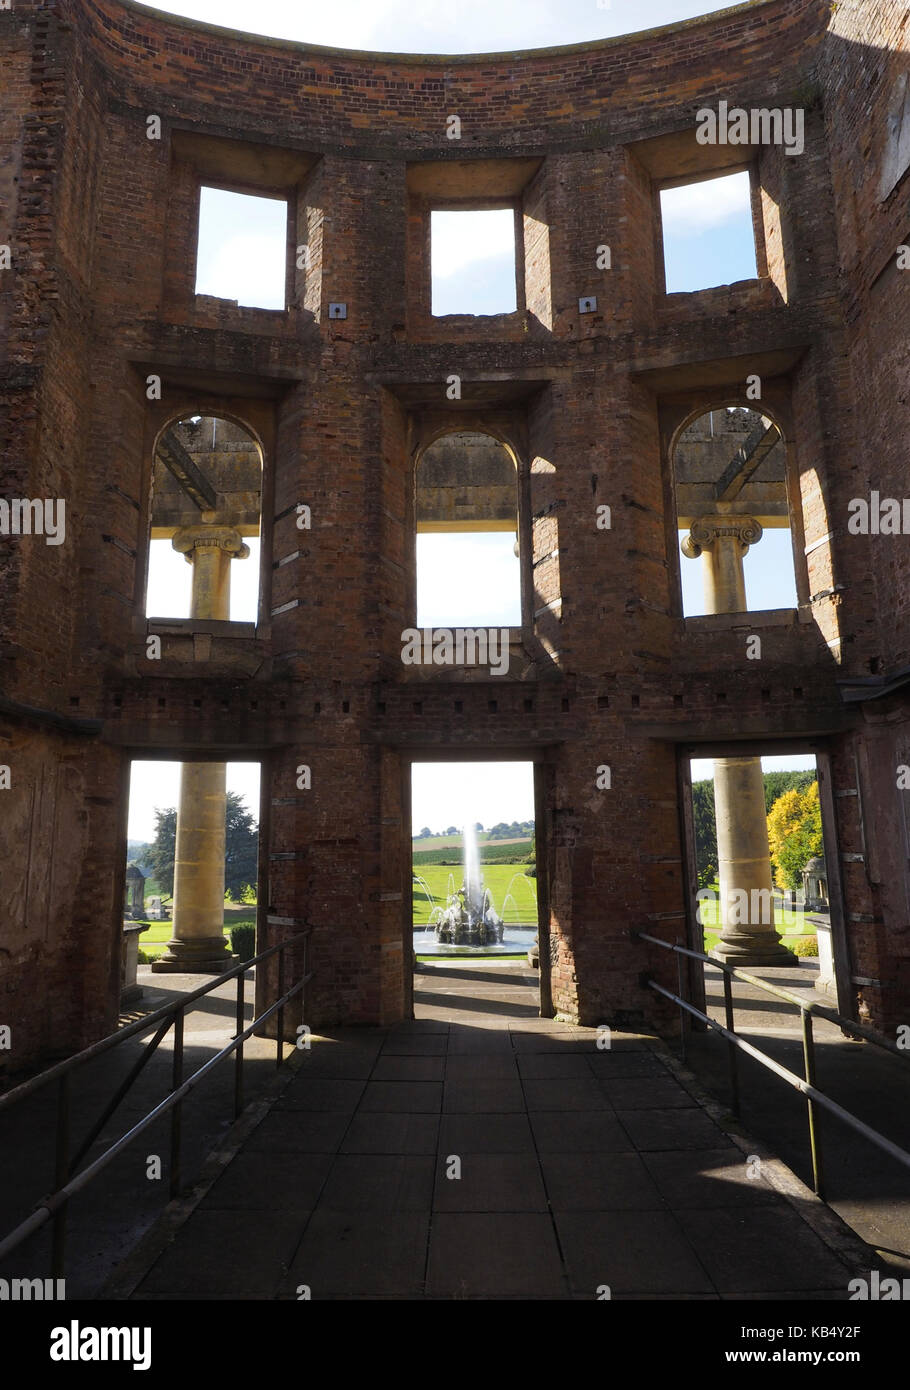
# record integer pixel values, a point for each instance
(137, 853)
(491, 852)
(454, 842)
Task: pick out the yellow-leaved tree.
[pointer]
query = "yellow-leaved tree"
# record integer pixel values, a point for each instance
(794, 834)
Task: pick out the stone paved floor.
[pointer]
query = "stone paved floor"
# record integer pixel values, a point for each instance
(866, 1187)
(579, 1168)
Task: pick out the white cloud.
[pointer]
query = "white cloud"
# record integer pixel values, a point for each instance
(697, 207)
(462, 239)
(242, 248)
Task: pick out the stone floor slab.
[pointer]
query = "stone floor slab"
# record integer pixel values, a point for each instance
(551, 1066)
(410, 1068)
(241, 1255)
(403, 1097)
(268, 1181)
(415, 1045)
(479, 1133)
(474, 1255)
(657, 1093)
(568, 1094)
(494, 1097)
(637, 1252)
(761, 1250)
(707, 1178)
(307, 1093)
(573, 1131)
(382, 1132)
(481, 1067)
(362, 1255)
(299, 1131)
(490, 1183)
(379, 1183)
(606, 1182)
(671, 1129)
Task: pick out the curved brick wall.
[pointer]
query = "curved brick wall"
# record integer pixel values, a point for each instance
(100, 297)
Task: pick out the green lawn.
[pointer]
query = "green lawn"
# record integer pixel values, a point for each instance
(787, 922)
(496, 877)
(156, 936)
(453, 842)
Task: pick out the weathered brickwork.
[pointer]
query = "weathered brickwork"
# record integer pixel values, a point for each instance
(101, 221)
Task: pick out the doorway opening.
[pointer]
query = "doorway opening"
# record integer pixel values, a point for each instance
(191, 894)
(764, 875)
(476, 899)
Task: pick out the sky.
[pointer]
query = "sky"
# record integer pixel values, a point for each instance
(441, 26)
(156, 786)
(708, 241)
(444, 794)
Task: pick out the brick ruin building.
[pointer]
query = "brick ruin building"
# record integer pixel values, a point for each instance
(111, 118)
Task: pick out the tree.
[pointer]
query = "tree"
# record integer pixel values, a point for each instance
(794, 834)
(705, 826)
(241, 849)
(776, 783)
(425, 833)
(452, 830)
(478, 827)
(241, 855)
(162, 849)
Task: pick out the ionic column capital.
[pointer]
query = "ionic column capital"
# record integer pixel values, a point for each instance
(188, 539)
(707, 530)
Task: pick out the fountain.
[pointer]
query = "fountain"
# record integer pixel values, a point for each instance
(469, 918)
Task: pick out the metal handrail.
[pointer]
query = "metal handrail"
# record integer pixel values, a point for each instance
(141, 1025)
(54, 1206)
(805, 1084)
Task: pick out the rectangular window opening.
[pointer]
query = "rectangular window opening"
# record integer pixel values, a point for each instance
(708, 233)
(472, 262)
(242, 248)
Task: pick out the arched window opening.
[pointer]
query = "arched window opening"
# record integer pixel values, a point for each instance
(467, 534)
(730, 470)
(205, 519)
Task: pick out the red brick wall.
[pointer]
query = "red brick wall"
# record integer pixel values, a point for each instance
(102, 295)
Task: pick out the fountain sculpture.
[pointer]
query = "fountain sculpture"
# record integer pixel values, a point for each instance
(469, 918)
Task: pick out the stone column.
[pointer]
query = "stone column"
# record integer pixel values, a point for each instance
(748, 936)
(197, 943)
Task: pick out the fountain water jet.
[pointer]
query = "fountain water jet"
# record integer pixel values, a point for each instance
(469, 918)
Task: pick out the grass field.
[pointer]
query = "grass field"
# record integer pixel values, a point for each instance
(158, 934)
(787, 922)
(453, 842)
(496, 877)
(499, 851)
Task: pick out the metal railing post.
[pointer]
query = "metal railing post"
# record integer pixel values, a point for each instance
(682, 1012)
(53, 1208)
(815, 1138)
(238, 1061)
(177, 1112)
(61, 1174)
(731, 1046)
(279, 1028)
